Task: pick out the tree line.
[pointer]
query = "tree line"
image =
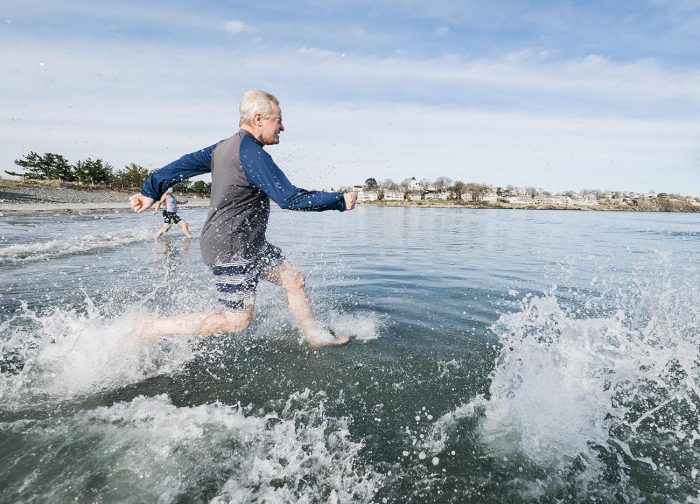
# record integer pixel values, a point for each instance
(50, 166)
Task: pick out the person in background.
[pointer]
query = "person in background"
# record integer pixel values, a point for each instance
(233, 241)
(170, 216)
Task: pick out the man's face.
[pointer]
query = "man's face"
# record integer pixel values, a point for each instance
(271, 126)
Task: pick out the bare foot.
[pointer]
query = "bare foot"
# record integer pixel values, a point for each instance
(323, 337)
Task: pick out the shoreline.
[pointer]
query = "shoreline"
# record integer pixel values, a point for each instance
(68, 207)
(54, 196)
(673, 207)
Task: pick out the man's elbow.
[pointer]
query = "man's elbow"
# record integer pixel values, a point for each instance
(285, 205)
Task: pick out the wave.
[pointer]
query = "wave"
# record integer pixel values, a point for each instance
(594, 398)
(216, 453)
(39, 251)
(65, 354)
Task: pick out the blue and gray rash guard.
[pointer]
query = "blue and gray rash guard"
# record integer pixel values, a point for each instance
(244, 179)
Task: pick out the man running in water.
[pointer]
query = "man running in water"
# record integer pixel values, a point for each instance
(170, 216)
(233, 243)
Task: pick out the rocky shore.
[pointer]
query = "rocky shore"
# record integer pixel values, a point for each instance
(37, 196)
(685, 206)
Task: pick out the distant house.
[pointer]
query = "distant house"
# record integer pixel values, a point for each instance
(519, 199)
(587, 200)
(467, 196)
(366, 196)
(414, 196)
(436, 195)
(556, 199)
(489, 197)
(393, 196)
(413, 184)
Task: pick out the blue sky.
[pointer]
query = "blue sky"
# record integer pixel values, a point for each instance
(556, 95)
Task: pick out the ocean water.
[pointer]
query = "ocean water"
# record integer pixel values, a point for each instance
(497, 356)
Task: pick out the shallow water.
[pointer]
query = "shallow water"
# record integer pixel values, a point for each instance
(497, 356)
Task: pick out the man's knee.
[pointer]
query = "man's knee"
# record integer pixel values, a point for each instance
(292, 279)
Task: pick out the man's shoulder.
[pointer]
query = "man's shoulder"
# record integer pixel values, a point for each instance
(239, 138)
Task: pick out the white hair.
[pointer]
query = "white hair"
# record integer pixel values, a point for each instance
(254, 102)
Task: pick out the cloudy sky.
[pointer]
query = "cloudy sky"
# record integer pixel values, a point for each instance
(557, 95)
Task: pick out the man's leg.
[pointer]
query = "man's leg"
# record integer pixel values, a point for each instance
(197, 324)
(235, 284)
(163, 230)
(292, 281)
(185, 228)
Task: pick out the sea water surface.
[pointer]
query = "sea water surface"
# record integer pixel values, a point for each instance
(497, 356)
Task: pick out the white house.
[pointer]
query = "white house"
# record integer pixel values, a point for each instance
(436, 195)
(414, 196)
(365, 196)
(413, 184)
(519, 199)
(393, 196)
(557, 199)
(587, 200)
(489, 197)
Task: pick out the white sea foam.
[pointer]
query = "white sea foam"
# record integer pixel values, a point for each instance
(38, 251)
(274, 321)
(160, 452)
(66, 353)
(618, 391)
(364, 326)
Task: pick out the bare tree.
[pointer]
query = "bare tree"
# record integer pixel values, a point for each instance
(477, 190)
(442, 183)
(389, 185)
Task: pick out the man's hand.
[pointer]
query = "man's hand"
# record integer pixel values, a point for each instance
(350, 199)
(139, 202)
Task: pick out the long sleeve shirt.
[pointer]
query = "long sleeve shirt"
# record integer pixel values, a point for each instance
(244, 179)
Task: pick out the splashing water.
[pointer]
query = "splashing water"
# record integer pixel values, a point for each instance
(163, 453)
(598, 396)
(363, 326)
(67, 353)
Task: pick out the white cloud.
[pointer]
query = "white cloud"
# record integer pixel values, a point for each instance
(133, 103)
(441, 31)
(235, 26)
(553, 152)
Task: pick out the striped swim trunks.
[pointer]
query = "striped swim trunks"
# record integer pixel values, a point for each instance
(237, 281)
